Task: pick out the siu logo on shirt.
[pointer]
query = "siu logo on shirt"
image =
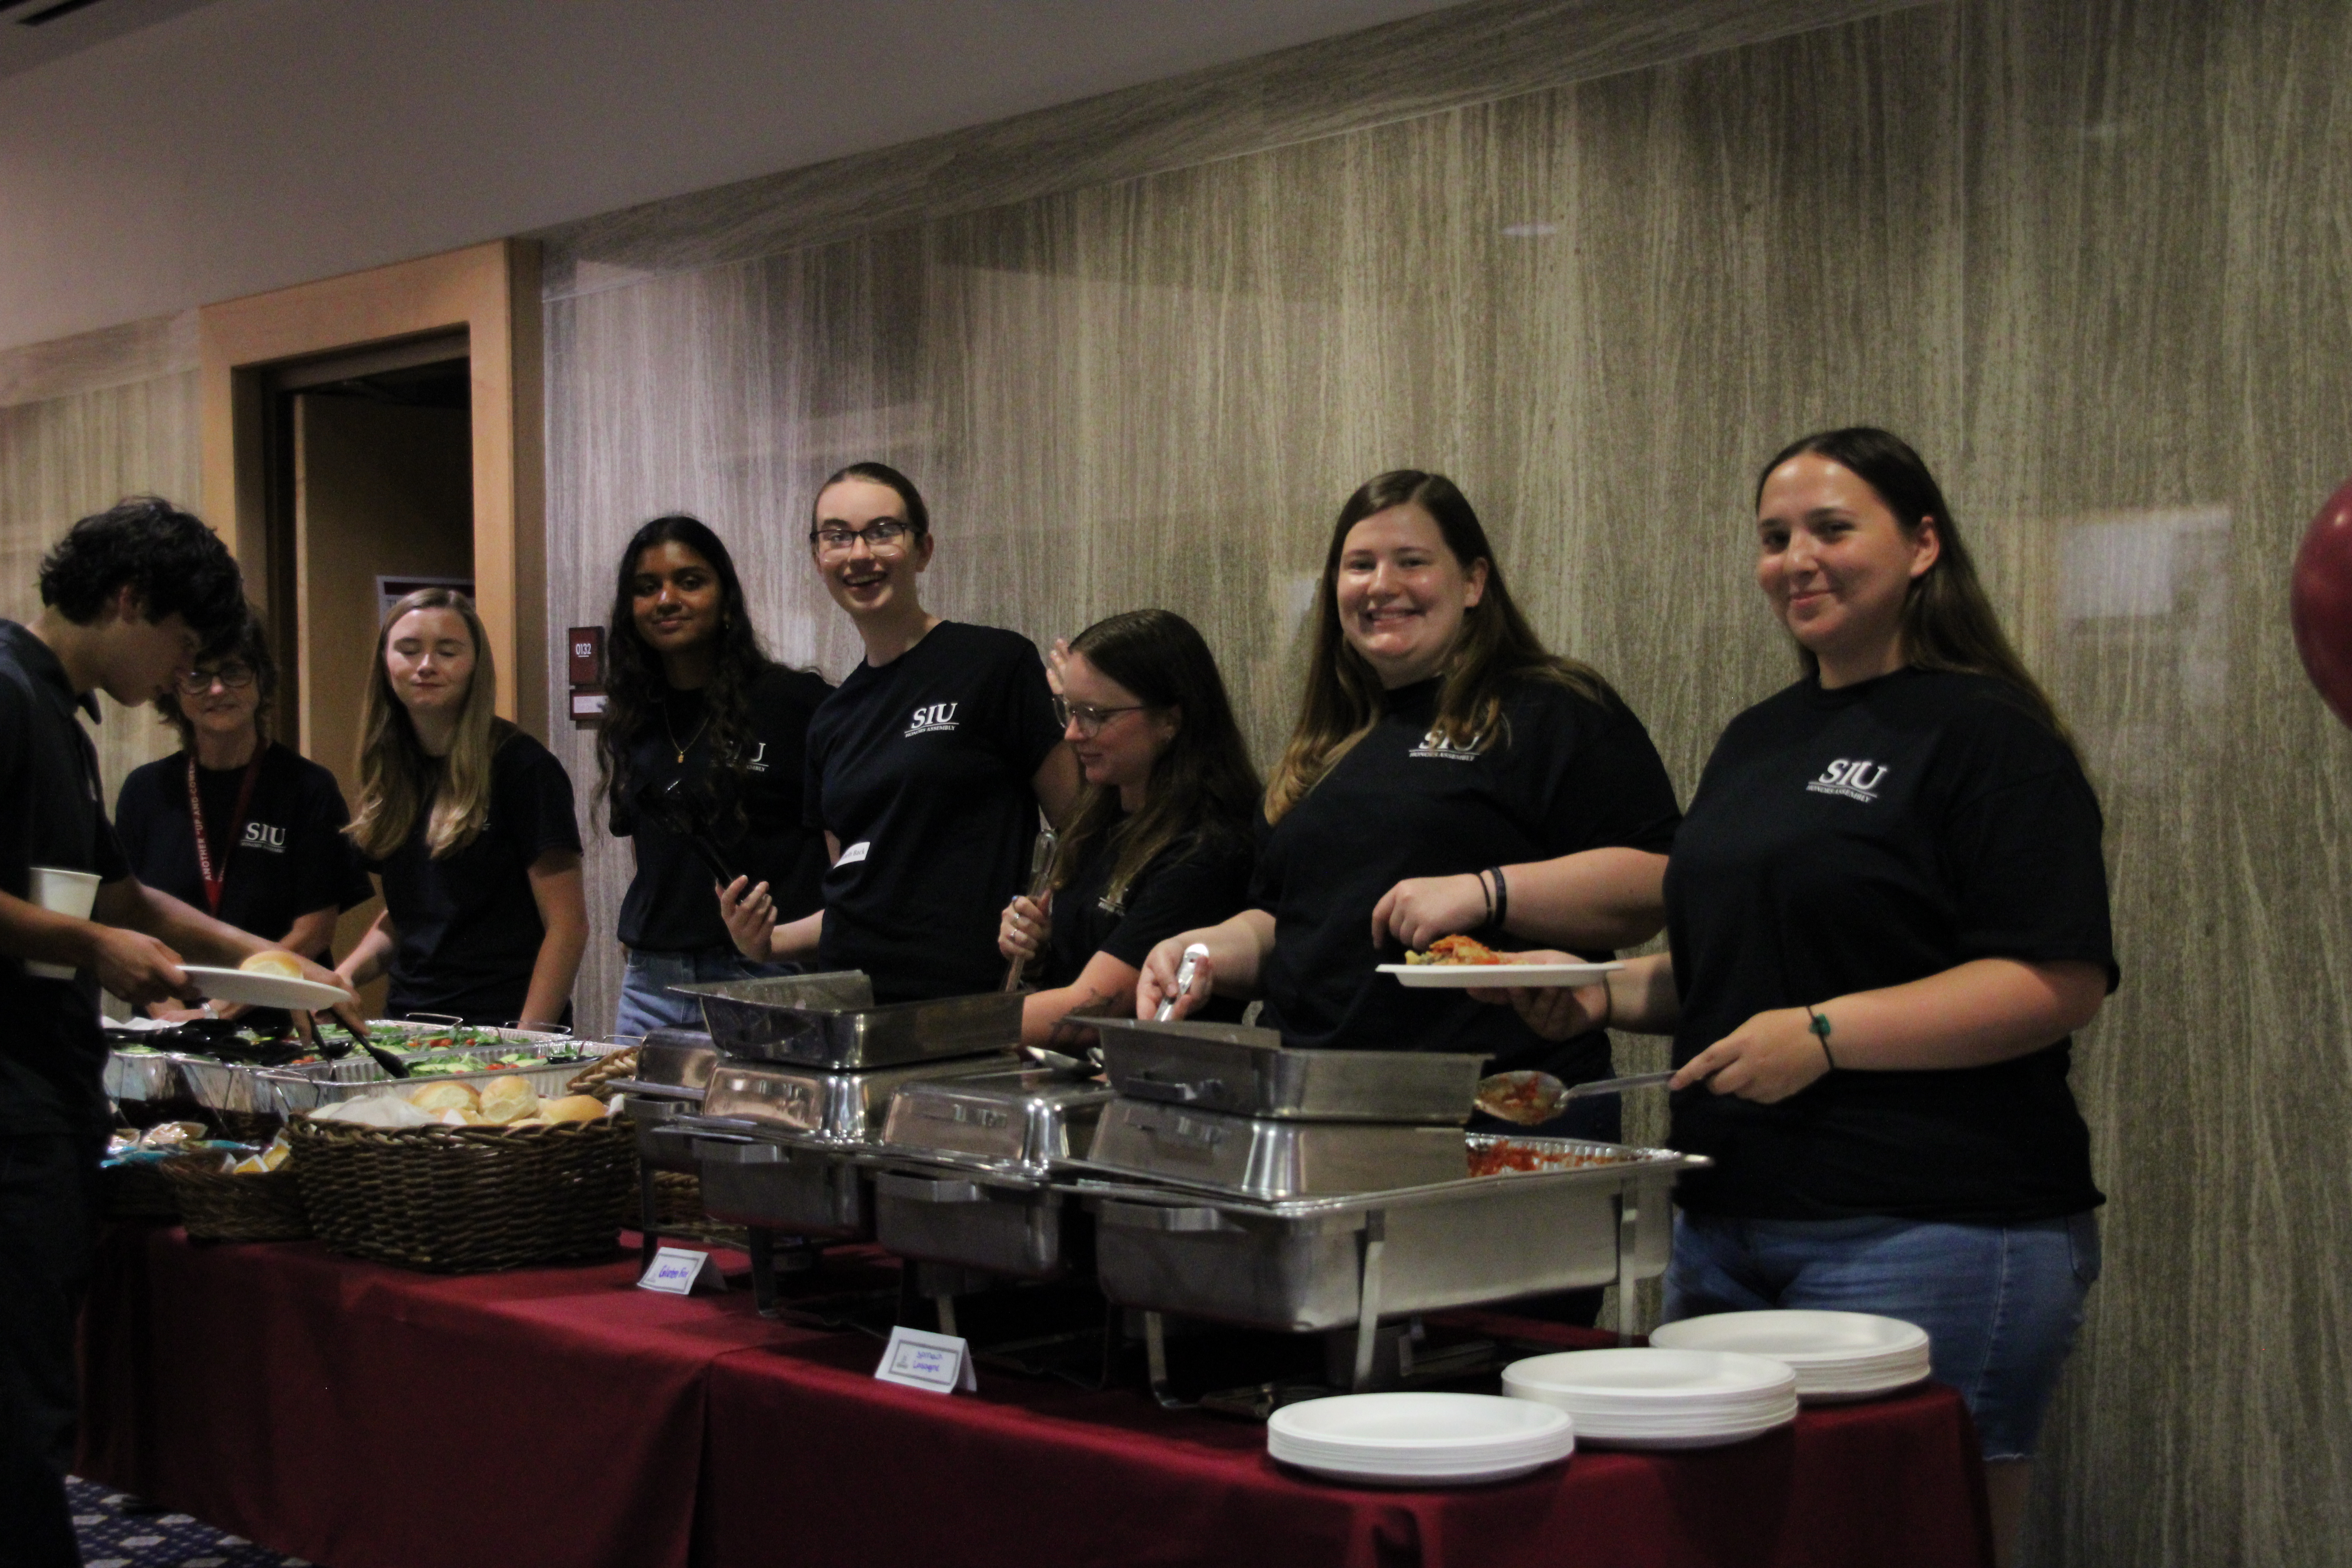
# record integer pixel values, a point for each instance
(1857, 779)
(1436, 746)
(262, 837)
(924, 720)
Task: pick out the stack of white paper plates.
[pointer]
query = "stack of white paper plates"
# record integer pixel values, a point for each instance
(1659, 1398)
(1835, 1355)
(1419, 1439)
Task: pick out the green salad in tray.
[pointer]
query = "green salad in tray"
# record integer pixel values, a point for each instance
(441, 1049)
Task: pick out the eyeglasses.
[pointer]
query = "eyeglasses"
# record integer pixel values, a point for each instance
(886, 536)
(232, 677)
(1089, 718)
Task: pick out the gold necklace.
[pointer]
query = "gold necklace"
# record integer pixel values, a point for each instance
(671, 730)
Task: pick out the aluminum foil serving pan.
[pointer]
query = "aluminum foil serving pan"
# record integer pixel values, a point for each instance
(143, 1076)
(1259, 1157)
(293, 1091)
(1598, 1213)
(831, 1020)
(1250, 1072)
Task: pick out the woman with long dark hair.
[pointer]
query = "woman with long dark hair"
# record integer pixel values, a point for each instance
(927, 768)
(1159, 841)
(1888, 916)
(700, 763)
(1447, 774)
(469, 823)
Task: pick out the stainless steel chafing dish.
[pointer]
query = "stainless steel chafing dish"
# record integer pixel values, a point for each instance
(832, 1020)
(775, 1144)
(674, 1068)
(1263, 1158)
(1249, 1072)
(1304, 1265)
(963, 1177)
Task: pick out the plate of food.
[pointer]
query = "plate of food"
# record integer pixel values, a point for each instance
(269, 979)
(1457, 963)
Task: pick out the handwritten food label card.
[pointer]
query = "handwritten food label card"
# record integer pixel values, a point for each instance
(940, 1362)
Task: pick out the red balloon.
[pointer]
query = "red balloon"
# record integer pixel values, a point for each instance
(2323, 601)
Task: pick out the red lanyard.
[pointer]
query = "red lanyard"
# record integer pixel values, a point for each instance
(214, 881)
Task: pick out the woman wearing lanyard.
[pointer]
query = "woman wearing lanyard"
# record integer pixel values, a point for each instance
(1447, 775)
(237, 824)
(1160, 842)
(468, 822)
(926, 769)
(1888, 915)
(699, 761)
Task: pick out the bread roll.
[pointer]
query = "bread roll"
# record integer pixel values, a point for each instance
(439, 1097)
(508, 1099)
(273, 961)
(574, 1107)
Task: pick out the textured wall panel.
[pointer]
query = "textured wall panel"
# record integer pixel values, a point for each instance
(2092, 259)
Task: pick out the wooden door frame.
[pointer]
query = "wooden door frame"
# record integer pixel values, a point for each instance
(491, 290)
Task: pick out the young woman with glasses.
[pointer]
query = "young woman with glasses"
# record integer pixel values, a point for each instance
(700, 763)
(1161, 840)
(926, 768)
(1447, 775)
(237, 824)
(468, 821)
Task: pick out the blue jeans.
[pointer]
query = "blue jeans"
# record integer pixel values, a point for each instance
(646, 1003)
(2000, 1303)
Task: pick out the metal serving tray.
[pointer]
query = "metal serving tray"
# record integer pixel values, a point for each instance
(682, 1059)
(832, 1020)
(1025, 1119)
(837, 1106)
(1021, 1229)
(1250, 1072)
(662, 1146)
(144, 1078)
(767, 1177)
(1312, 1264)
(1259, 1157)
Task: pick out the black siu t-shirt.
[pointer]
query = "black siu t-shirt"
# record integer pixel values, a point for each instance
(922, 771)
(469, 929)
(1565, 774)
(1200, 881)
(754, 813)
(1847, 841)
(286, 859)
(52, 1056)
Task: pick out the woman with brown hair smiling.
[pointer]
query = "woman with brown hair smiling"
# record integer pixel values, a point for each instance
(1447, 774)
(468, 821)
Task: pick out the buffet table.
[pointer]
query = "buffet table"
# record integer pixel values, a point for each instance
(365, 1417)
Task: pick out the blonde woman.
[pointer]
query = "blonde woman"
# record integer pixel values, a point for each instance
(469, 824)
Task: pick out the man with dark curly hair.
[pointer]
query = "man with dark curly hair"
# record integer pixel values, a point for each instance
(129, 598)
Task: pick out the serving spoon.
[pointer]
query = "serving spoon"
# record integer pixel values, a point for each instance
(1530, 1098)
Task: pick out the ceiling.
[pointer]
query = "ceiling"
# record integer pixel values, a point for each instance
(34, 32)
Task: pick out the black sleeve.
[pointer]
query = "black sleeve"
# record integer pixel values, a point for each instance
(107, 855)
(133, 808)
(1203, 888)
(1024, 727)
(539, 806)
(1607, 786)
(813, 784)
(2023, 858)
(327, 872)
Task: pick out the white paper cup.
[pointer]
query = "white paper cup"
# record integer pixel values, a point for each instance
(66, 893)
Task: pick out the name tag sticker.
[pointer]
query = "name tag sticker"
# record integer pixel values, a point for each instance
(938, 1362)
(681, 1271)
(855, 853)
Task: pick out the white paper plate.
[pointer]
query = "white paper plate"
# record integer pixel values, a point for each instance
(1461, 976)
(1654, 1378)
(261, 990)
(1836, 1355)
(1419, 1439)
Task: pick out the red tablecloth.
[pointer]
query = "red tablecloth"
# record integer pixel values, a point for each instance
(369, 1418)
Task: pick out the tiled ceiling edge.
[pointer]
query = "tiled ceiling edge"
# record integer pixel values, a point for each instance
(1478, 53)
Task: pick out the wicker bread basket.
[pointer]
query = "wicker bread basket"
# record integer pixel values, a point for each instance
(466, 1200)
(216, 1205)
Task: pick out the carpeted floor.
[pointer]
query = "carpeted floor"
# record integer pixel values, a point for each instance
(119, 1531)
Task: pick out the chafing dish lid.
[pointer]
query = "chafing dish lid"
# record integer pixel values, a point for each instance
(1029, 1116)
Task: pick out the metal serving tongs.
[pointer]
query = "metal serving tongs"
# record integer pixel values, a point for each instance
(1040, 865)
(1530, 1098)
(1091, 1063)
